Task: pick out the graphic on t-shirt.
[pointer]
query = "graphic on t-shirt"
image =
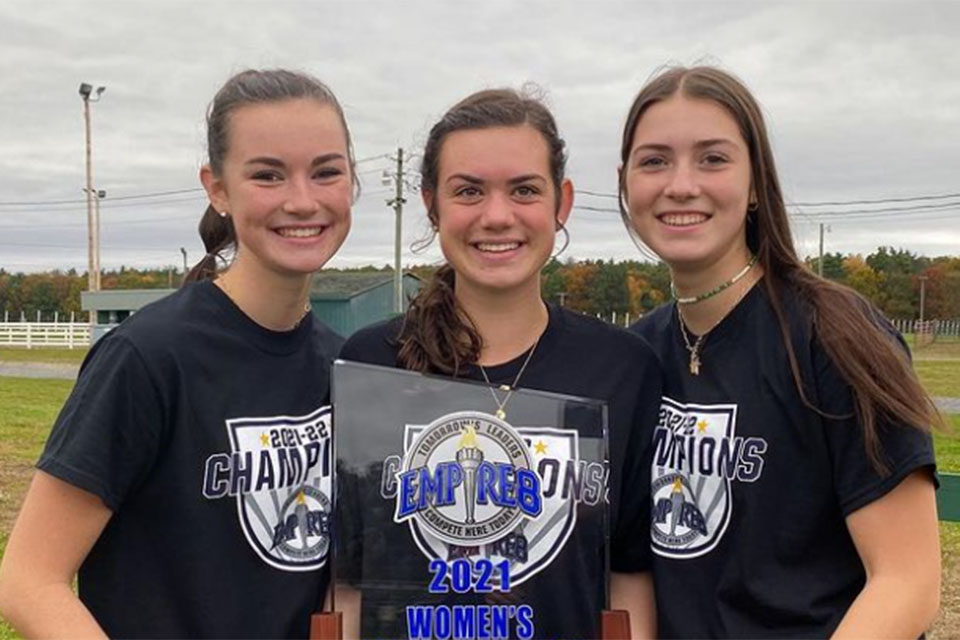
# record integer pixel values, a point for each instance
(279, 470)
(472, 486)
(697, 456)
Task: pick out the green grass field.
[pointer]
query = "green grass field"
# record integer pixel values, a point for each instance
(30, 407)
(939, 377)
(943, 348)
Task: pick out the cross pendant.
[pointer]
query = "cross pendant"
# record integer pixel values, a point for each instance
(694, 365)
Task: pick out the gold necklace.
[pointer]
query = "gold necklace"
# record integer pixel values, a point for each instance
(226, 290)
(509, 388)
(695, 348)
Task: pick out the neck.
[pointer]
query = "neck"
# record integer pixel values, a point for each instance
(701, 317)
(272, 301)
(509, 322)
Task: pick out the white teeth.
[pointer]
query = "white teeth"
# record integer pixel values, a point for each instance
(497, 247)
(683, 219)
(300, 232)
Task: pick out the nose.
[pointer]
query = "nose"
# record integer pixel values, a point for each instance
(497, 211)
(300, 199)
(683, 183)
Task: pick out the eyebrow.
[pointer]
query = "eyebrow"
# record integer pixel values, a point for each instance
(699, 144)
(276, 162)
(475, 180)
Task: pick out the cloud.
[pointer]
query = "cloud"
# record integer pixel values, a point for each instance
(860, 97)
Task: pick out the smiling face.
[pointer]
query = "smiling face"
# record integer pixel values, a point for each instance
(286, 184)
(497, 208)
(688, 185)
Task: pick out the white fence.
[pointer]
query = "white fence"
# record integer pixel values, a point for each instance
(935, 327)
(45, 334)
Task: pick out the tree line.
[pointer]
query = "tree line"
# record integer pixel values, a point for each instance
(890, 278)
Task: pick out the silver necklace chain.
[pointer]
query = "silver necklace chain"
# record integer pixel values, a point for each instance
(502, 404)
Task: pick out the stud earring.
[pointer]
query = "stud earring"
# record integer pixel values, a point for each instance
(223, 214)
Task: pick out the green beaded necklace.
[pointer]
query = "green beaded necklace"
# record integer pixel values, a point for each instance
(709, 294)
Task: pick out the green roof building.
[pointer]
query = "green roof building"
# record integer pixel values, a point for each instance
(345, 302)
(348, 301)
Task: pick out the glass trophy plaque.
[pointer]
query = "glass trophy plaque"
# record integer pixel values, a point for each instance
(454, 520)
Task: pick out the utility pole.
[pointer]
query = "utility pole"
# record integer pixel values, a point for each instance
(820, 261)
(923, 283)
(93, 219)
(184, 252)
(397, 202)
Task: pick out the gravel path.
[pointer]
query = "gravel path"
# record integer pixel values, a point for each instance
(69, 372)
(948, 405)
(39, 370)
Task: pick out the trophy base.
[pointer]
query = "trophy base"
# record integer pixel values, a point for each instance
(615, 625)
(326, 626)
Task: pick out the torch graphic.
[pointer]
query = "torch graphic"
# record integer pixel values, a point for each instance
(301, 512)
(469, 458)
(676, 506)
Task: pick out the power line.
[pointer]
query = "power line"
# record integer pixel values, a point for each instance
(140, 196)
(597, 193)
(943, 196)
(79, 247)
(371, 158)
(888, 210)
(837, 203)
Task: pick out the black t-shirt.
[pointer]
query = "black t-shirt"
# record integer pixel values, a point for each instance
(750, 488)
(576, 355)
(208, 437)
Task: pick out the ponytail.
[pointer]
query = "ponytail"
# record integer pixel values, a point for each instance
(218, 236)
(437, 335)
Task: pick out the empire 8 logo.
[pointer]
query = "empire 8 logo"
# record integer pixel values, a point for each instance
(280, 473)
(470, 485)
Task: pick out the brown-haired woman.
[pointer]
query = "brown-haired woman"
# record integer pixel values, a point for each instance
(792, 474)
(494, 188)
(162, 481)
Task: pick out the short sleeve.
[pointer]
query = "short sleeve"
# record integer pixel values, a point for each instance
(630, 540)
(109, 432)
(903, 449)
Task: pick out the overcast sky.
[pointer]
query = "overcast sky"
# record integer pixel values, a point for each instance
(862, 98)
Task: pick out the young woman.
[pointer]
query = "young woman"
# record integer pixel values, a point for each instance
(493, 184)
(166, 481)
(792, 475)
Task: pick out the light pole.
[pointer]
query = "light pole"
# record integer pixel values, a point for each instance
(93, 218)
(184, 252)
(99, 194)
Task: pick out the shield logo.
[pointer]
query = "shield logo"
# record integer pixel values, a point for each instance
(530, 542)
(694, 446)
(281, 470)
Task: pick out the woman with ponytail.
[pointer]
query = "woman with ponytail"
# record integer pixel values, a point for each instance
(164, 484)
(493, 185)
(804, 432)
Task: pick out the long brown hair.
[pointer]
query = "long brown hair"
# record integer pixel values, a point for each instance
(250, 87)
(867, 356)
(437, 334)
